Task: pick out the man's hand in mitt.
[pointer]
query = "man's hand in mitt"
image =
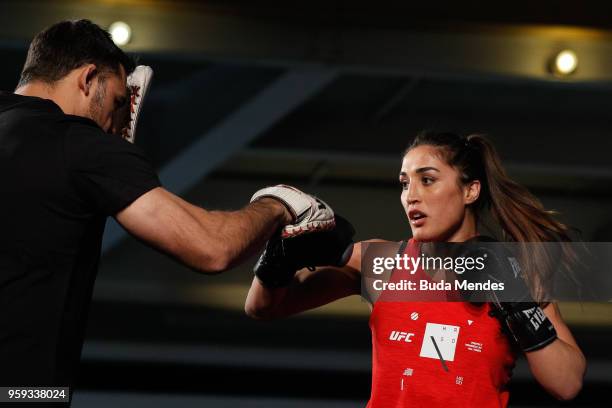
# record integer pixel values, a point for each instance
(126, 117)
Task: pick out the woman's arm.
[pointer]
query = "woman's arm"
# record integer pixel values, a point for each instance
(560, 366)
(308, 290)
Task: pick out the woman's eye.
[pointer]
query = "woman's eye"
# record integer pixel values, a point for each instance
(404, 185)
(427, 180)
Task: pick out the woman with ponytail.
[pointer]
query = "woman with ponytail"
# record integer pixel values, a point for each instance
(450, 185)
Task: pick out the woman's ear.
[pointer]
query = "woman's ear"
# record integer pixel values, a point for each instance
(471, 191)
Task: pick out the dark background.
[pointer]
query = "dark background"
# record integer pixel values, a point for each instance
(325, 96)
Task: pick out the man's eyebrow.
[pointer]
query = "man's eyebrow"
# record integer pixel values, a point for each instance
(419, 170)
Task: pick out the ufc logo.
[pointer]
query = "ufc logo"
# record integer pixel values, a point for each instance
(400, 335)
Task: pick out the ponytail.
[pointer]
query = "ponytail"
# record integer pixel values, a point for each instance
(520, 214)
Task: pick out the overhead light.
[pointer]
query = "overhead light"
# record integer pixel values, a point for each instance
(120, 32)
(564, 63)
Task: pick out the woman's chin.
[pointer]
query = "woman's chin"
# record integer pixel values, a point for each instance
(420, 235)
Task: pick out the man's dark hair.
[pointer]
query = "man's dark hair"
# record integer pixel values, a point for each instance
(68, 45)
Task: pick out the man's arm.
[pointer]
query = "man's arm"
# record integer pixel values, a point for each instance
(206, 241)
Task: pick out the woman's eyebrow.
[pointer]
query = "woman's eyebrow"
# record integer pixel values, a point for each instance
(424, 169)
(420, 170)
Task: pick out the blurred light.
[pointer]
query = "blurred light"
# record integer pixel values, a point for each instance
(565, 63)
(120, 32)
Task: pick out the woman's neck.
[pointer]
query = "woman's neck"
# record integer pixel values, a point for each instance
(468, 229)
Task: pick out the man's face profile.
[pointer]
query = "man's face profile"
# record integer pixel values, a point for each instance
(108, 93)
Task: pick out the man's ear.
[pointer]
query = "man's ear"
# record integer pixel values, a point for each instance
(86, 75)
(471, 191)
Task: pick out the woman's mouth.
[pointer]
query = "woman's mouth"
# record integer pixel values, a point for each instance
(417, 218)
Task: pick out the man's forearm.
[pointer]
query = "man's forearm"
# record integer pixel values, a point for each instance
(239, 234)
(213, 241)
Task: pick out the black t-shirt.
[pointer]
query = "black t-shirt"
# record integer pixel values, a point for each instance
(60, 177)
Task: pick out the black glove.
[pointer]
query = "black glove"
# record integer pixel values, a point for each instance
(282, 257)
(526, 323)
(521, 317)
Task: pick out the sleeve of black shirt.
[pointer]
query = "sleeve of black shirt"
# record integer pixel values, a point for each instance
(108, 171)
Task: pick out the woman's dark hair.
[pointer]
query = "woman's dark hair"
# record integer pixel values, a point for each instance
(68, 45)
(520, 215)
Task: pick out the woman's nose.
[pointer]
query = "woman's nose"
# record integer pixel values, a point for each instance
(413, 194)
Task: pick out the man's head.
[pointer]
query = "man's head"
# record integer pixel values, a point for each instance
(77, 65)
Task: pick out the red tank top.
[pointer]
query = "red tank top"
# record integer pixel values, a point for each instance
(408, 339)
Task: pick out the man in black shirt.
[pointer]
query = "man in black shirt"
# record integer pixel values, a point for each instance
(62, 174)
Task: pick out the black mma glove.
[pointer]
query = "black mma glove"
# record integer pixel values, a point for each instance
(521, 317)
(282, 257)
(526, 323)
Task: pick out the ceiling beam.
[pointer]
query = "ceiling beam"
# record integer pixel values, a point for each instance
(515, 51)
